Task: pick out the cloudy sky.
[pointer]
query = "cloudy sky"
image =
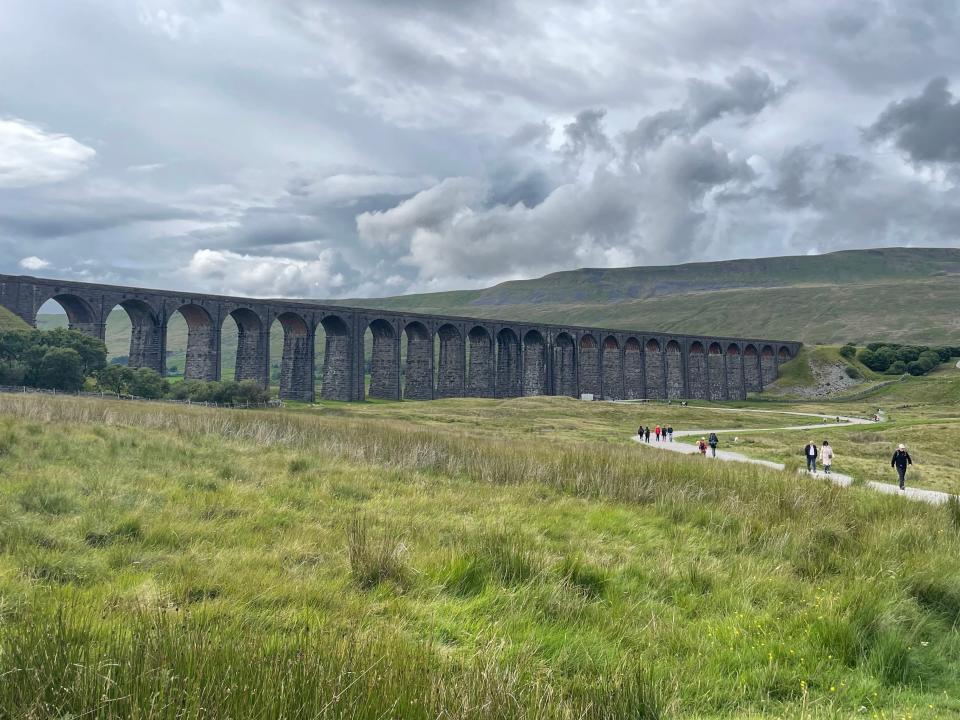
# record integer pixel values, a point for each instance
(337, 148)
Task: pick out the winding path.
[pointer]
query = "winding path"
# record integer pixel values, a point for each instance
(934, 497)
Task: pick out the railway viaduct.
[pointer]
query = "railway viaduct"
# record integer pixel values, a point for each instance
(445, 356)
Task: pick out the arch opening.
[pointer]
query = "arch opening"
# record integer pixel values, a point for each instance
(71, 311)
(133, 336)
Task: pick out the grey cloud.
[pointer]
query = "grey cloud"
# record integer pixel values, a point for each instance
(746, 93)
(585, 133)
(926, 127)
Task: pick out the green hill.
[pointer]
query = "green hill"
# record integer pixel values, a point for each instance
(895, 294)
(9, 321)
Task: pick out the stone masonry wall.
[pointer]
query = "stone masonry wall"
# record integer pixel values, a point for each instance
(534, 366)
(564, 369)
(717, 377)
(634, 387)
(735, 389)
(612, 372)
(480, 379)
(751, 371)
(450, 370)
(589, 367)
(675, 384)
(697, 375)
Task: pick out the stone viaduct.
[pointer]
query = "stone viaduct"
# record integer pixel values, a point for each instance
(445, 356)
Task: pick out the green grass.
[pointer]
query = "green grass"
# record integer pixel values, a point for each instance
(173, 562)
(9, 321)
(896, 294)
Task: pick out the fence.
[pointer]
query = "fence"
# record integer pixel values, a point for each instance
(21, 389)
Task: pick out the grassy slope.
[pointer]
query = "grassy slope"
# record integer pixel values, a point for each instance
(9, 321)
(906, 295)
(210, 558)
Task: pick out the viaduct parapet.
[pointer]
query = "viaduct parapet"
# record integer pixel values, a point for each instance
(445, 356)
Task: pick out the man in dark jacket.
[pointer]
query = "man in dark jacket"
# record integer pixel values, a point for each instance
(810, 452)
(713, 441)
(901, 458)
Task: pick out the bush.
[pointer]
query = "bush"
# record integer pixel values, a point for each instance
(898, 368)
(147, 383)
(60, 369)
(848, 351)
(852, 373)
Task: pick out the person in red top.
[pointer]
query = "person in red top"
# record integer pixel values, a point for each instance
(656, 431)
(702, 446)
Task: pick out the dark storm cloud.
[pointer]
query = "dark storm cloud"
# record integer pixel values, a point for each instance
(926, 127)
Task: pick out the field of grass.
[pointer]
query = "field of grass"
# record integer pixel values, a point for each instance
(449, 559)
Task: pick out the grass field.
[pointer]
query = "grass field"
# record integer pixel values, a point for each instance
(451, 559)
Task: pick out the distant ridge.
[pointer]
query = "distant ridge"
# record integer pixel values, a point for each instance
(906, 294)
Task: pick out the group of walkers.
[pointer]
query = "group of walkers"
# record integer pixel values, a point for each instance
(711, 441)
(664, 434)
(824, 453)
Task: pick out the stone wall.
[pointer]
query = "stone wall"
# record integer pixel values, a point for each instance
(534, 364)
(751, 370)
(508, 379)
(482, 364)
(418, 371)
(674, 364)
(589, 366)
(384, 361)
(735, 388)
(450, 371)
(612, 360)
(564, 366)
(655, 376)
(768, 367)
(716, 374)
(634, 385)
(697, 373)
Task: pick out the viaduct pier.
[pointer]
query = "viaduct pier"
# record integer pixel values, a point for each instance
(443, 356)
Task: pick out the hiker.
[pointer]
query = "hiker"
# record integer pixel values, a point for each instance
(713, 442)
(656, 430)
(826, 456)
(810, 452)
(702, 446)
(646, 434)
(670, 433)
(640, 432)
(901, 458)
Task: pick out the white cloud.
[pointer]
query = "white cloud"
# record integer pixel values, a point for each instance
(34, 263)
(31, 156)
(231, 273)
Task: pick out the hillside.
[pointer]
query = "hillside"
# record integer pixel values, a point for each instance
(9, 321)
(895, 294)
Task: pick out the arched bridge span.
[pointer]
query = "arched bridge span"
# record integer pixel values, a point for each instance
(412, 355)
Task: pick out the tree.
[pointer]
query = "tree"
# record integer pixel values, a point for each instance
(60, 369)
(848, 351)
(147, 383)
(92, 352)
(113, 378)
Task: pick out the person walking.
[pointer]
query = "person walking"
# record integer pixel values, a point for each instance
(646, 434)
(670, 433)
(656, 431)
(810, 452)
(713, 442)
(640, 432)
(901, 458)
(826, 456)
(702, 446)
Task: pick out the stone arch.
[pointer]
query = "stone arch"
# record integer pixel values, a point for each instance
(252, 346)
(589, 362)
(655, 374)
(451, 365)
(716, 372)
(145, 347)
(633, 374)
(81, 315)
(418, 369)
(674, 367)
(783, 354)
(751, 369)
(509, 381)
(480, 363)
(697, 381)
(768, 365)
(534, 363)
(296, 364)
(384, 361)
(612, 362)
(203, 343)
(734, 370)
(337, 359)
(564, 365)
